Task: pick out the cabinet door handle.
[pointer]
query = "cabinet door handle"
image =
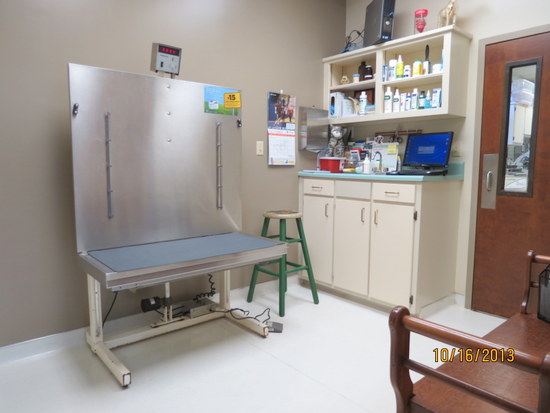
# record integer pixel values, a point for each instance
(363, 215)
(376, 217)
(326, 210)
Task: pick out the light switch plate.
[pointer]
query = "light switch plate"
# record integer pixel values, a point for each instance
(259, 148)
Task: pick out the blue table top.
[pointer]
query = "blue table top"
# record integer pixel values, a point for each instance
(176, 251)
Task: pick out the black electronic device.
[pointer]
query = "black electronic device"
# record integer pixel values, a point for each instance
(378, 22)
(427, 154)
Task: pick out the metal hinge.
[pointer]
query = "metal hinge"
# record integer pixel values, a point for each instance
(415, 215)
(411, 300)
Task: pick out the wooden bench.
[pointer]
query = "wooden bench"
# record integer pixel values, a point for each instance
(506, 370)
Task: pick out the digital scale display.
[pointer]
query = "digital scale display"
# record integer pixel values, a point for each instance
(165, 59)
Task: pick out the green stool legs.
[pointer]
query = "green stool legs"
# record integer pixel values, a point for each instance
(307, 260)
(283, 264)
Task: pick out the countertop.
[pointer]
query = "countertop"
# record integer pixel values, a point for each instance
(456, 173)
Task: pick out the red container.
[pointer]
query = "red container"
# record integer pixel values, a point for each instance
(331, 164)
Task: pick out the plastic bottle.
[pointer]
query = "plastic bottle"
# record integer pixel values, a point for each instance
(414, 99)
(388, 101)
(436, 98)
(402, 102)
(368, 73)
(417, 68)
(363, 103)
(408, 102)
(428, 103)
(399, 68)
(391, 69)
(420, 20)
(362, 70)
(396, 101)
(366, 165)
(421, 100)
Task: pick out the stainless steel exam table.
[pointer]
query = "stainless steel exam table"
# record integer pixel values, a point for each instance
(161, 262)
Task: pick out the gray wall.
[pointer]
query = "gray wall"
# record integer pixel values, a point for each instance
(254, 45)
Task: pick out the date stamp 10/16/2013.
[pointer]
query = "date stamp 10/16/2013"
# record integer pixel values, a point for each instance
(474, 355)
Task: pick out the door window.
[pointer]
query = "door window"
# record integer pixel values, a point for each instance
(519, 128)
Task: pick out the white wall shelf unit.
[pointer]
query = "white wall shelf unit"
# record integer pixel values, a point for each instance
(448, 46)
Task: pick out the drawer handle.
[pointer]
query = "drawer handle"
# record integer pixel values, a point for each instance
(391, 193)
(317, 188)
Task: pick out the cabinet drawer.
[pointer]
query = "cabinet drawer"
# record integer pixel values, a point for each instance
(394, 192)
(352, 189)
(319, 187)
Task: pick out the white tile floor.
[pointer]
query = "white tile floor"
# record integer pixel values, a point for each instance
(331, 357)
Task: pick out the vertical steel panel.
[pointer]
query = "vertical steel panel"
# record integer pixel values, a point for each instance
(161, 149)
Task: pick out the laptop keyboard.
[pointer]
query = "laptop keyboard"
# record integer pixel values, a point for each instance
(422, 172)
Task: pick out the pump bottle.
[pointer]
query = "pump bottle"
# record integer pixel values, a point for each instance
(388, 101)
(396, 101)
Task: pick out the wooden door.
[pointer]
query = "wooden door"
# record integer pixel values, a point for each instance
(515, 219)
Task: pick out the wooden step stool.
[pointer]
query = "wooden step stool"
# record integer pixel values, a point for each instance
(284, 264)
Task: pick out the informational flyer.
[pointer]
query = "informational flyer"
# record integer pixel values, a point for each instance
(221, 100)
(281, 129)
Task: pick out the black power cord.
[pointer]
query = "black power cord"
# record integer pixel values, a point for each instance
(246, 314)
(110, 308)
(350, 41)
(211, 293)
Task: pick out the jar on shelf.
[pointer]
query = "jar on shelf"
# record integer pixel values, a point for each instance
(420, 20)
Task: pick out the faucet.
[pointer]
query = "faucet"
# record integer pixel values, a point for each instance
(379, 167)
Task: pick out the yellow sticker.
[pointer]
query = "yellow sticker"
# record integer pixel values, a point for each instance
(232, 100)
(392, 148)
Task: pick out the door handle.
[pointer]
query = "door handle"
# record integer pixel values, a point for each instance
(489, 181)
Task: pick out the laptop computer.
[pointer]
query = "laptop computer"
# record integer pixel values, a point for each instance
(427, 154)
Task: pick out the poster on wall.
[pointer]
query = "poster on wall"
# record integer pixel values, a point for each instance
(222, 101)
(281, 129)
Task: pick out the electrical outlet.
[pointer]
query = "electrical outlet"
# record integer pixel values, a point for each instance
(259, 148)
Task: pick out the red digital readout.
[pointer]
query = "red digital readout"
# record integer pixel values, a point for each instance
(167, 50)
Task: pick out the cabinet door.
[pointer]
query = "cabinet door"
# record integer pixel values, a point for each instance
(391, 253)
(351, 245)
(318, 225)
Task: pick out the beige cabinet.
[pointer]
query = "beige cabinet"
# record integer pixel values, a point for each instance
(352, 236)
(318, 219)
(391, 243)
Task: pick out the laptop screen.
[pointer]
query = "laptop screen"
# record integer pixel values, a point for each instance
(428, 150)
